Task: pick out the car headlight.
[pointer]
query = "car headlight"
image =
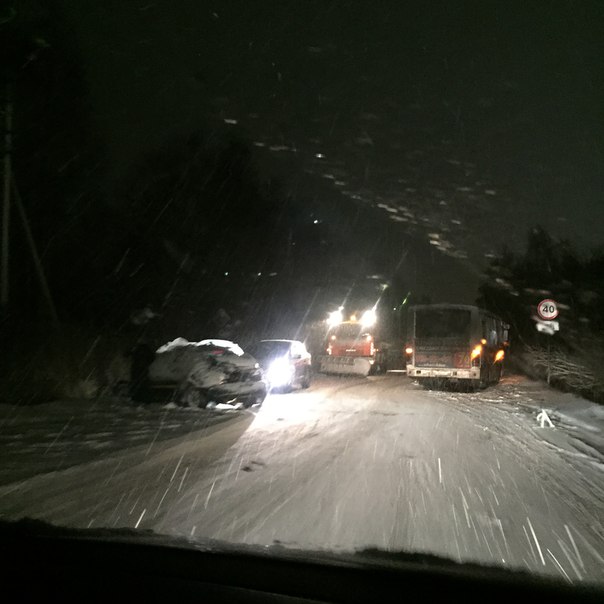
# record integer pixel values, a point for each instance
(279, 372)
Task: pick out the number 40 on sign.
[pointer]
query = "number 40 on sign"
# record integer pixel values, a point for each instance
(547, 310)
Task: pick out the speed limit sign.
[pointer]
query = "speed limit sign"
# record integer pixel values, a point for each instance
(547, 310)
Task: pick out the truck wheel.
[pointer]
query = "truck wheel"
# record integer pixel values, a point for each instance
(378, 367)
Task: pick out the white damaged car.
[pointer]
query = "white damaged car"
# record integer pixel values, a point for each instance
(207, 373)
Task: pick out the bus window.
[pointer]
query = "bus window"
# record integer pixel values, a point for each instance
(442, 323)
(500, 333)
(490, 333)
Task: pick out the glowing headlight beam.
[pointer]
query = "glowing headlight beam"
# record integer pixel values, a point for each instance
(335, 318)
(279, 373)
(368, 319)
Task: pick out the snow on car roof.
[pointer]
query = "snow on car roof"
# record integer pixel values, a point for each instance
(231, 346)
(182, 342)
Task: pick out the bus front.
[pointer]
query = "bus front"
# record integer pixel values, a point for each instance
(440, 343)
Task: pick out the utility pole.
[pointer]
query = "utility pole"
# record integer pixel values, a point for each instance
(35, 256)
(9, 187)
(4, 268)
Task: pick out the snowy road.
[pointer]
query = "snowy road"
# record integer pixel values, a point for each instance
(355, 463)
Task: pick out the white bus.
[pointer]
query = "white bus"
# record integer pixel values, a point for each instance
(455, 342)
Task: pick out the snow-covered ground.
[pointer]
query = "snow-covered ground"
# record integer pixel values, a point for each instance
(578, 423)
(55, 436)
(355, 463)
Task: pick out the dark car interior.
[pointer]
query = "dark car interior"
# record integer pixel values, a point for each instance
(45, 563)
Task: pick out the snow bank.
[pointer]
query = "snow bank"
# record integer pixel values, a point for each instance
(580, 419)
(55, 436)
(578, 422)
(584, 419)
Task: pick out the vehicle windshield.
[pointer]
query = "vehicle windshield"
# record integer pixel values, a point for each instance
(267, 350)
(443, 323)
(409, 194)
(348, 331)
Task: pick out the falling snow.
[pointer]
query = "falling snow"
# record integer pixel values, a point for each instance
(351, 463)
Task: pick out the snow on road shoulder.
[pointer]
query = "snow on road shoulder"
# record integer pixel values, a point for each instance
(583, 421)
(577, 417)
(578, 423)
(54, 436)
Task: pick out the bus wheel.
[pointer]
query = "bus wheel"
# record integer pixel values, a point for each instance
(486, 377)
(481, 383)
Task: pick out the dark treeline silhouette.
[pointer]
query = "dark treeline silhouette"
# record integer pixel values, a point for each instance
(549, 268)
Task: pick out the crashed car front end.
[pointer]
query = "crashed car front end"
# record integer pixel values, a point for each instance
(240, 384)
(208, 373)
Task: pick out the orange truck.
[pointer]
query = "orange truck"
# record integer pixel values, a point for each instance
(350, 345)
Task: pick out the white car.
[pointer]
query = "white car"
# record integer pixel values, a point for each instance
(286, 363)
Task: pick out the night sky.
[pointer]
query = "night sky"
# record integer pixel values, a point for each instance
(462, 122)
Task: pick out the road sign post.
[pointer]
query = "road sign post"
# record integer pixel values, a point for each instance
(547, 311)
(549, 361)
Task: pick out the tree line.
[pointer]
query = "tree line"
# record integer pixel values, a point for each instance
(513, 285)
